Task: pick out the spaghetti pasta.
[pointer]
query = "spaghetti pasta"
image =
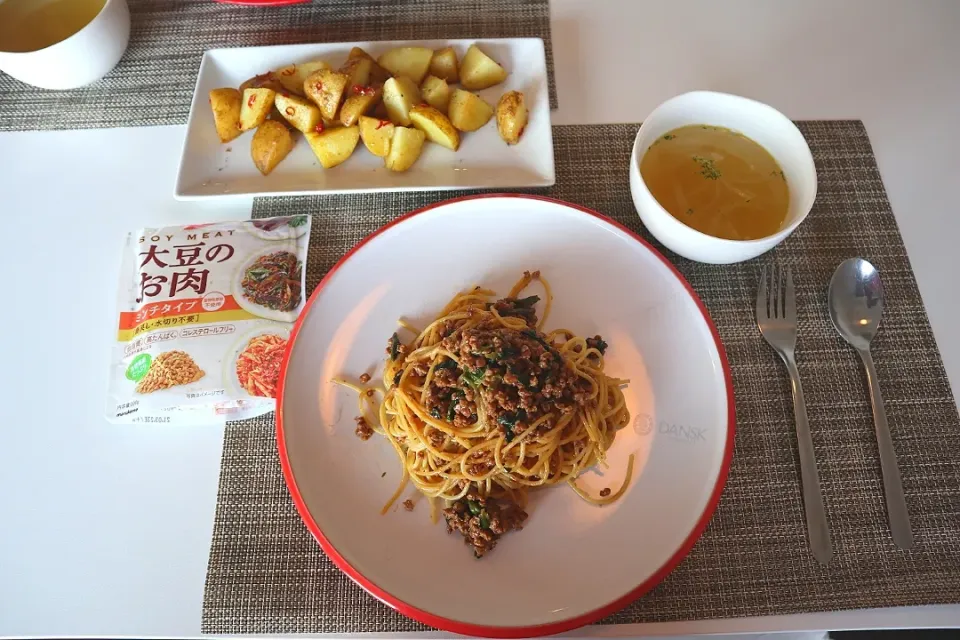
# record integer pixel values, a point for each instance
(482, 406)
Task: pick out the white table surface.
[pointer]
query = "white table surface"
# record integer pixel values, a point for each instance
(105, 529)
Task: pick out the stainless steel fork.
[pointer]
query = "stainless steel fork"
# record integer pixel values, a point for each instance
(777, 319)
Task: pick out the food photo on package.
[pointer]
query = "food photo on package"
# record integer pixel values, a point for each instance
(205, 312)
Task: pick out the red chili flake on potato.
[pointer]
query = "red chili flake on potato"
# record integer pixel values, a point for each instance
(382, 123)
(318, 128)
(363, 90)
(289, 72)
(289, 111)
(252, 99)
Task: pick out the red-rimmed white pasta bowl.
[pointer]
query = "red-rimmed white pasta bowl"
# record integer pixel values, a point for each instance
(573, 562)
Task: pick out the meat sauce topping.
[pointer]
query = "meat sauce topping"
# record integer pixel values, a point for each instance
(481, 521)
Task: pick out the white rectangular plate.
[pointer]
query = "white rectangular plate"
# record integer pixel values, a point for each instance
(211, 169)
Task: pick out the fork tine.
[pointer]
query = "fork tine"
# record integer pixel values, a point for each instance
(776, 294)
(762, 295)
(790, 312)
(782, 290)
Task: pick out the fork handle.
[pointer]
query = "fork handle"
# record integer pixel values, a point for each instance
(817, 529)
(892, 486)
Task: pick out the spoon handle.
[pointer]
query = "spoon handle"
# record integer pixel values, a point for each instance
(818, 531)
(892, 486)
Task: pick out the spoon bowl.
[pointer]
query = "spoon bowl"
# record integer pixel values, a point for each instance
(856, 301)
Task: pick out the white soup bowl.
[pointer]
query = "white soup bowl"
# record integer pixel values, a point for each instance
(79, 60)
(759, 122)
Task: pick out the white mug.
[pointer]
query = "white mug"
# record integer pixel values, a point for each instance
(84, 57)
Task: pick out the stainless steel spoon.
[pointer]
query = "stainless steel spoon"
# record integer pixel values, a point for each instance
(856, 305)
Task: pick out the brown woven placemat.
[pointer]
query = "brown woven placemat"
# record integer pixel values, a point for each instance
(268, 575)
(153, 83)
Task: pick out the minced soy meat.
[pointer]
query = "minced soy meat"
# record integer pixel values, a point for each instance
(517, 374)
(481, 521)
(363, 430)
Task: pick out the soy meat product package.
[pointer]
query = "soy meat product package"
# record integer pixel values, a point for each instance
(204, 315)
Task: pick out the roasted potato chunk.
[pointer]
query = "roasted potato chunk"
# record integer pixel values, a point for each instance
(376, 135)
(411, 62)
(435, 92)
(359, 104)
(377, 73)
(225, 104)
(380, 111)
(255, 107)
(479, 71)
(266, 80)
(443, 65)
(326, 88)
(400, 94)
(271, 143)
(288, 76)
(293, 75)
(436, 126)
(468, 111)
(358, 70)
(333, 146)
(511, 116)
(405, 148)
(299, 112)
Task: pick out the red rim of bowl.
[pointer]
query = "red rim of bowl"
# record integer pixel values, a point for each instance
(494, 631)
